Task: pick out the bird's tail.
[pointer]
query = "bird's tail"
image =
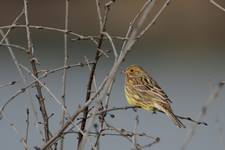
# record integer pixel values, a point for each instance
(168, 111)
(175, 120)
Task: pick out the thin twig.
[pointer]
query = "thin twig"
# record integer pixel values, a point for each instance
(217, 5)
(102, 24)
(44, 86)
(79, 37)
(98, 7)
(92, 38)
(8, 84)
(9, 101)
(80, 64)
(27, 126)
(95, 86)
(30, 53)
(13, 126)
(103, 52)
(129, 134)
(14, 46)
(63, 95)
(202, 114)
(48, 72)
(192, 120)
(24, 83)
(120, 38)
(122, 108)
(103, 114)
(112, 44)
(54, 97)
(66, 125)
(69, 122)
(13, 23)
(135, 19)
(134, 137)
(154, 19)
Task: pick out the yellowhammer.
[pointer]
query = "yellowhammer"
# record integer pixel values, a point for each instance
(141, 90)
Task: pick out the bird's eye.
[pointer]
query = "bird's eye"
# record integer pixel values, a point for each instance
(131, 70)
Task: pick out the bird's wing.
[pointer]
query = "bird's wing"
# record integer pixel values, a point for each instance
(150, 89)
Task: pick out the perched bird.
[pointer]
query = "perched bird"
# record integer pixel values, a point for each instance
(143, 91)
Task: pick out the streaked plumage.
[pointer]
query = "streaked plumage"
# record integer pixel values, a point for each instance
(143, 91)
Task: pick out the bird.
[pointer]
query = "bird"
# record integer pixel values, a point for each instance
(143, 91)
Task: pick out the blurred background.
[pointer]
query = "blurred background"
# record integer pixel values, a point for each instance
(184, 51)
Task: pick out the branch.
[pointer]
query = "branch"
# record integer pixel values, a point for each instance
(21, 75)
(13, 126)
(155, 18)
(129, 134)
(102, 24)
(217, 5)
(117, 63)
(112, 44)
(27, 127)
(14, 46)
(14, 23)
(47, 72)
(63, 95)
(136, 146)
(30, 53)
(79, 37)
(202, 114)
(8, 84)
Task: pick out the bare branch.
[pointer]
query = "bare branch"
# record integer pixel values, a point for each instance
(8, 84)
(134, 137)
(30, 53)
(99, 14)
(13, 126)
(79, 37)
(155, 18)
(14, 46)
(14, 22)
(217, 5)
(202, 114)
(27, 127)
(44, 86)
(134, 21)
(102, 24)
(69, 122)
(47, 72)
(63, 95)
(23, 79)
(112, 44)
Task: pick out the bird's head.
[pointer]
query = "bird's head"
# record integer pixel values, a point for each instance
(134, 70)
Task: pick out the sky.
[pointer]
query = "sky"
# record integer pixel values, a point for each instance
(184, 52)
